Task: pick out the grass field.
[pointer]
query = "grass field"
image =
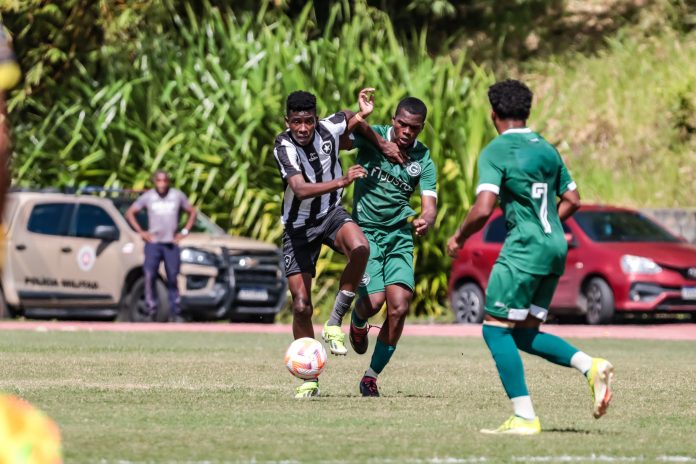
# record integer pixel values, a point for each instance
(194, 397)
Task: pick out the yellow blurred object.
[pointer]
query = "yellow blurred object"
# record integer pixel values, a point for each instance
(9, 75)
(27, 435)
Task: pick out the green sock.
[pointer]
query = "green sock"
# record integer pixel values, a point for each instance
(381, 356)
(357, 322)
(507, 359)
(547, 346)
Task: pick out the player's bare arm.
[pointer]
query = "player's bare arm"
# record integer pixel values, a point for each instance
(427, 217)
(304, 190)
(474, 221)
(569, 204)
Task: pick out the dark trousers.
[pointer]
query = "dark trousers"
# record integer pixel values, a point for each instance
(155, 253)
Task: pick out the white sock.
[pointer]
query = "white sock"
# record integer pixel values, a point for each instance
(370, 373)
(581, 361)
(523, 407)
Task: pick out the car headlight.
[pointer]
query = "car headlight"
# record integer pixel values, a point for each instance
(639, 265)
(200, 257)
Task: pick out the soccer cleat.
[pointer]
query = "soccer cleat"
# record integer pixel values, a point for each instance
(599, 378)
(335, 338)
(368, 386)
(358, 338)
(516, 425)
(308, 389)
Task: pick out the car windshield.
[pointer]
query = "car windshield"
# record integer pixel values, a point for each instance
(621, 226)
(203, 224)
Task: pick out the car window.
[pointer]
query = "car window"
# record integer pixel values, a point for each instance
(88, 218)
(496, 231)
(621, 226)
(50, 218)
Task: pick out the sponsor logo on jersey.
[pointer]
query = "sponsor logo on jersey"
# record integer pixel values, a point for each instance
(312, 156)
(383, 176)
(413, 168)
(365, 281)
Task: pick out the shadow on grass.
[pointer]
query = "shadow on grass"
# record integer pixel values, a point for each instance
(578, 431)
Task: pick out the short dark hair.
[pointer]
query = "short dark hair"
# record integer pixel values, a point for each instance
(413, 105)
(510, 99)
(300, 100)
(158, 172)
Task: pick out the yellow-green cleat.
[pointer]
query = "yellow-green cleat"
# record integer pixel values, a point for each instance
(599, 377)
(308, 389)
(335, 338)
(516, 425)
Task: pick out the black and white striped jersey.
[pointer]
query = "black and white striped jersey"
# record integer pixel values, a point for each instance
(317, 162)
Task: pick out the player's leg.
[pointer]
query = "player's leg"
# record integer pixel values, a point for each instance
(528, 337)
(507, 298)
(399, 284)
(172, 264)
(371, 294)
(153, 257)
(300, 286)
(344, 235)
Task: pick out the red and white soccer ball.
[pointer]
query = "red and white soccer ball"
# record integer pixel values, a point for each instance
(305, 358)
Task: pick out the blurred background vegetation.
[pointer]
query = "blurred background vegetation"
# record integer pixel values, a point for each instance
(113, 90)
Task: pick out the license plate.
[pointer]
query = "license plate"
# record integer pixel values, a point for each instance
(689, 293)
(252, 294)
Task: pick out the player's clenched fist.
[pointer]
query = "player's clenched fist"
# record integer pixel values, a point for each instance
(354, 172)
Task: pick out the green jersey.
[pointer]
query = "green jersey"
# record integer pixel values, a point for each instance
(382, 198)
(527, 173)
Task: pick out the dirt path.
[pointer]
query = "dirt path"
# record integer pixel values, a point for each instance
(644, 332)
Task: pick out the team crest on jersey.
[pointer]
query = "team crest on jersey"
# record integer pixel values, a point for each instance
(365, 281)
(288, 261)
(413, 168)
(327, 147)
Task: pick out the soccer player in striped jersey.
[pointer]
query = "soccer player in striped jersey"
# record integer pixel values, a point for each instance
(307, 156)
(526, 173)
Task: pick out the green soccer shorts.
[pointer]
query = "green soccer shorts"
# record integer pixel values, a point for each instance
(391, 259)
(513, 294)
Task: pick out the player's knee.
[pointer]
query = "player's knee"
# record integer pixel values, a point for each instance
(398, 310)
(302, 308)
(360, 250)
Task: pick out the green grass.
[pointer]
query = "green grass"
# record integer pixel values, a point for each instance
(227, 398)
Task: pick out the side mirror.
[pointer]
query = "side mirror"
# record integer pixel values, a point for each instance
(570, 240)
(106, 233)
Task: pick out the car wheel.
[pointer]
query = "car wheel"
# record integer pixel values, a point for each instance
(600, 301)
(135, 308)
(5, 312)
(468, 303)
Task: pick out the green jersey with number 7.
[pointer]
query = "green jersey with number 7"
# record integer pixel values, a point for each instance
(527, 173)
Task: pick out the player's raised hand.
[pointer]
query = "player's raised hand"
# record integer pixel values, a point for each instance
(453, 246)
(366, 101)
(354, 172)
(421, 226)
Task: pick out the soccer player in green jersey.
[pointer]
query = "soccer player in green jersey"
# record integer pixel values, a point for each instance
(381, 209)
(526, 173)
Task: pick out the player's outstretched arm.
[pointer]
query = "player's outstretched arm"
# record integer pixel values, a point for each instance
(428, 213)
(474, 221)
(569, 204)
(304, 190)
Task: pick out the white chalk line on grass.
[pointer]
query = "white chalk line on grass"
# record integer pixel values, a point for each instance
(444, 460)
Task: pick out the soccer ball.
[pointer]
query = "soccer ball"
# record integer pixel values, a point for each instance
(305, 358)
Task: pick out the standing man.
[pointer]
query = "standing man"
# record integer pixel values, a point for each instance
(527, 174)
(381, 208)
(164, 205)
(307, 157)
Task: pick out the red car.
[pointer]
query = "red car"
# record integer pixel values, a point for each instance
(618, 260)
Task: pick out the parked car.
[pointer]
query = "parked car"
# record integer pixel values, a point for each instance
(75, 256)
(618, 261)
